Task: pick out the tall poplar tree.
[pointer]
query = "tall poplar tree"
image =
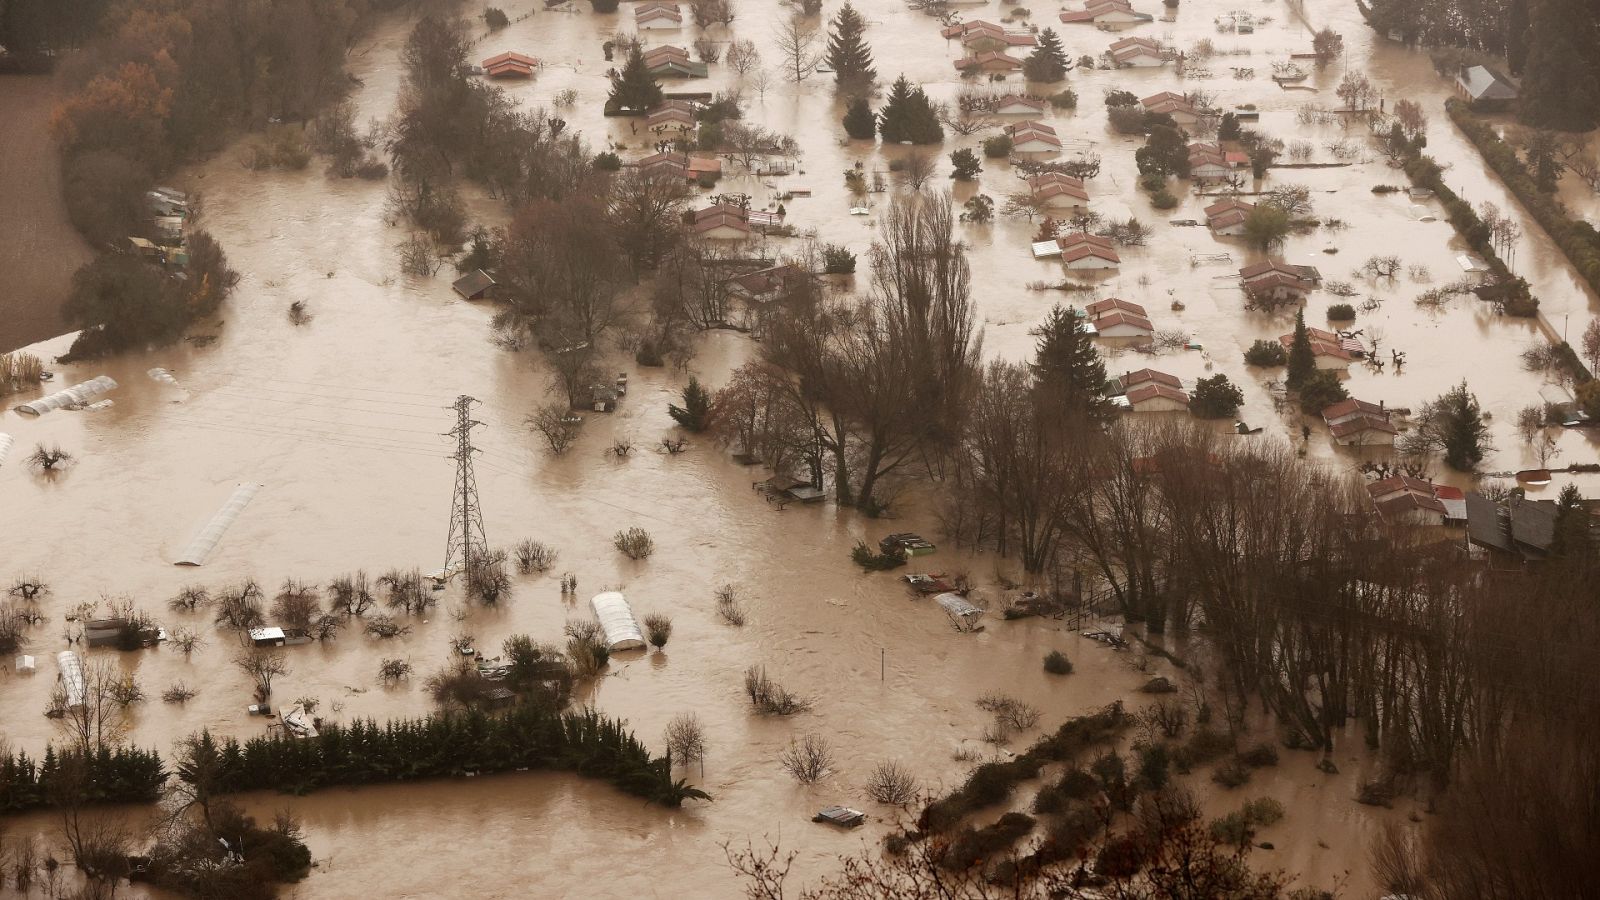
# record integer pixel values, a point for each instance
(1302, 362)
(848, 54)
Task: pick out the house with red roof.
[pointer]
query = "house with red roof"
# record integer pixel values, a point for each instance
(1108, 13)
(509, 64)
(979, 36)
(1137, 52)
(1227, 216)
(1033, 138)
(1058, 193)
(991, 62)
(1279, 280)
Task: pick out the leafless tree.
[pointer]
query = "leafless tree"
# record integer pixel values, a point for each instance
(1356, 91)
(189, 599)
(488, 582)
(919, 168)
(686, 739)
(393, 671)
(296, 605)
(97, 721)
(708, 13)
(261, 667)
(807, 759)
(892, 783)
(239, 606)
(49, 459)
(533, 556)
(742, 56)
(557, 424)
(405, 591)
(797, 43)
(351, 594)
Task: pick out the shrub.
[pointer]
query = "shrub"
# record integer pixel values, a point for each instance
(1215, 398)
(998, 147)
(1341, 312)
(872, 561)
(1231, 774)
(634, 543)
(658, 627)
(891, 783)
(1260, 756)
(807, 759)
(495, 18)
(533, 556)
(729, 609)
(393, 671)
(1154, 764)
(972, 846)
(1266, 354)
(1163, 199)
(1056, 663)
(1064, 99)
(604, 6)
(966, 165)
(1202, 747)
(1127, 119)
(769, 697)
(1074, 784)
(838, 260)
(1321, 389)
(608, 162)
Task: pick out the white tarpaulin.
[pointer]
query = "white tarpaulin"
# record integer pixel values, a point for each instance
(959, 609)
(72, 683)
(77, 395)
(5, 446)
(616, 620)
(208, 538)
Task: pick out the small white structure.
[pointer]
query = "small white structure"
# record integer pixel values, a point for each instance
(25, 665)
(78, 395)
(73, 686)
(5, 446)
(616, 620)
(267, 636)
(297, 722)
(962, 613)
(211, 535)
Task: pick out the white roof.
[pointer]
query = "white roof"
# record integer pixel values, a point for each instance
(266, 633)
(957, 606)
(72, 677)
(1482, 84)
(77, 395)
(616, 620)
(209, 536)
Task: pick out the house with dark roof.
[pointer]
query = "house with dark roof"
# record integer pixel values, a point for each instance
(673, 62)
(475, 285)
(1515, 532)
(1227, 216)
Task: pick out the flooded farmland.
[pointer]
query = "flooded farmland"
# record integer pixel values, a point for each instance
(340, 421)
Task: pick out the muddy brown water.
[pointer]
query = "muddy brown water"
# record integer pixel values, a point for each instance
(39, 249)
(340, 421)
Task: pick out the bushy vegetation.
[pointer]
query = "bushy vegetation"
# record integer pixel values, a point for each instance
(634, 543)
(446, 744)
(1056, 663)
(105, 775)
(1266, 354)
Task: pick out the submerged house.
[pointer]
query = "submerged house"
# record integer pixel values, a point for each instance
(475, 285)
(1172, 104)
(1279, 280)
(1226, 217)
(1111, 13)
(979, 36)
(657, 14)
(1154, 397)
(991, 62)
(674, 118)
(1058, 193)
(1331, 350)
(1031, 137)
(1084, 252)
(1137, 52)
(1120, 320)
(1515, 532)
(1018, 105)
(673, 62)
(1483, 86)
(1403, 500)
(687, 166)
(509, 64)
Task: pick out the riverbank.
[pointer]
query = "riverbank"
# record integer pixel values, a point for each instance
(39, 248)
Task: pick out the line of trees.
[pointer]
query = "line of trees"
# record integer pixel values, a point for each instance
(442, 745)
(107, 774)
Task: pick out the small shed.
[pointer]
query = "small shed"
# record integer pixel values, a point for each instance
(840, 815)
(268, 636)
(73, 686)
(617, 621)
(474, 285)
(25, 665)
(961, 612)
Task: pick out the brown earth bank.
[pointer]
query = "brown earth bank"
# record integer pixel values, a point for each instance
(39, 250)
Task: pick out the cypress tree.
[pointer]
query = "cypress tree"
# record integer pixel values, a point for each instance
(634, 87)
(1561, 80)
(859, 122)
(1462, 429)
(1302, 362)
(1066, 367)
(1048, 61)
(908, 115)
(848, 53)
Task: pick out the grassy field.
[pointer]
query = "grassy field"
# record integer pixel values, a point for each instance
(39, 250)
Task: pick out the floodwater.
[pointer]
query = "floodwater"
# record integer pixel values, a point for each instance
(340, 421)
(39, 249)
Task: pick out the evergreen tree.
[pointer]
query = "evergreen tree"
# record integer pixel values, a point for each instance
(1215, 398)
(1048, 61)
(1066, 367)
(1302, 362)
(859, 122)
(634, 87)
(1542, 161)
(1561, 82)
(908, 115)
(1572, 524)
(1458, 422)
(1228, 129)
(848, 53)
(695, 413)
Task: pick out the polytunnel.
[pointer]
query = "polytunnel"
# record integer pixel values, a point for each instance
(616, 620)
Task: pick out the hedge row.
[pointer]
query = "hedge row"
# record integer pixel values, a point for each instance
(111, 775)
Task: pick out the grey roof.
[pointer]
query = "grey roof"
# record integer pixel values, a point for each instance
(1484, 526)
(1482, 84)
(471, 285)
(1533, 524)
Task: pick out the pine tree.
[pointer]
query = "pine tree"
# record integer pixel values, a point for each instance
(1561, 81)
(1572, 524)
(1066, 367)
(1302, 362)
(634, 88)
(908, 115)
(695, 413)
(1048, 61)
(848, 53)
(859, 122)
(1461, 428)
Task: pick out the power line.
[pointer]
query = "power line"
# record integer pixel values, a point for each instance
(466, 517)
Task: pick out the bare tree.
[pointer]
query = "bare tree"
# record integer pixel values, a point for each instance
(797, 43)
(557, 424)
(686, 739)
(488, 582)
(891, 783)
(742, 56)
(261, 666)
(49, 459)
(919, 168)
(296, 605)
(94, 719)
(807, 759)
(352, 594)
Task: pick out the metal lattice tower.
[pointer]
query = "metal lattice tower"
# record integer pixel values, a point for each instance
(466, 517)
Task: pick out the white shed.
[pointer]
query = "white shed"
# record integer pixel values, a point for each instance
(71, 675)
(5, 446)
(616, 620)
